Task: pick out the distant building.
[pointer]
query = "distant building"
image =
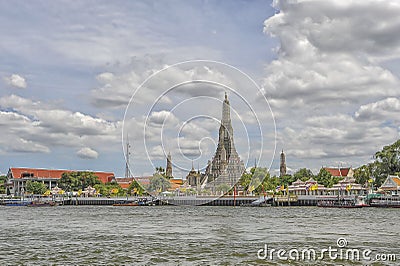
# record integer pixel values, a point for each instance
(124, 182)
(392, 185)
(282, 168)
(168, 170)
(340, 172)
(195, 179)
(17, 178)
(226, 166)
(175, 184)
(309, 187)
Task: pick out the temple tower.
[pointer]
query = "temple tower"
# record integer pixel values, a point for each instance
(226, 166)
(168, 170)
(282, 168)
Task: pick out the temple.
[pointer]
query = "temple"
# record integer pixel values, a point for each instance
(282, 168)
(226, 166)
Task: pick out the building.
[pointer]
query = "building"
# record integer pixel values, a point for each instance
(347, 186)
(391, 185)
(195, 179)
(168, 170)
(282, 168)
(17, 178)
(124, 182)
(226, 166)
(309, 187)
(340, 172)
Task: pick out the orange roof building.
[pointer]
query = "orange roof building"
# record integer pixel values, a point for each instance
(340, 172)
(17, 177)
(175, 183)
(392, 183)
(125, 182)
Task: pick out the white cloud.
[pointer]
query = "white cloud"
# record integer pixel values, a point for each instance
(39, 125)
(326, 57)
(384, 110)
(87, 153)
(328, 86)
(16, 81)
(163, 118)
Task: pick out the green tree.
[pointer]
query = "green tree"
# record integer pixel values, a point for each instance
(135, 189)
(362, 174)
(287, 180)
(74, 181)
(303, 174)
(161, 171)
(110, 189)
(325, 178)
(3, 180)
(158, 183)
(260, 180)
(245, 179)
(389, 158)
(35, 187)
(223, 187)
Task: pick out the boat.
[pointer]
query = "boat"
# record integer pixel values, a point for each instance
(126, 204)
(16, 203)
(334, 203)
(42, 204)
(385, 203)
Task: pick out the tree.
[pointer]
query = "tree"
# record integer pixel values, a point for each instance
(287, 180)
(135, 188)
(74, 181)
(158, 183)
(325, 178)
(3, 180)
(161, 171)
(223, 188)
(36, 187)
(110, 189)
(245, 179)
(389, 157)
(362, 174)
(303, 174)
(387, 162)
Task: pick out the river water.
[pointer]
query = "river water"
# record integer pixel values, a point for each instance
(194, 235)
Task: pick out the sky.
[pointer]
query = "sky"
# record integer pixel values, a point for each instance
(318, 79)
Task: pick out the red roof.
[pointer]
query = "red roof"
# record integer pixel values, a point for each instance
(124, 182)
(338, 171)
(16, 173)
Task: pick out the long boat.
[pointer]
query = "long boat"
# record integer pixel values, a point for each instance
(42, 204)
(338, 203)
(126, 204)
(15, 202)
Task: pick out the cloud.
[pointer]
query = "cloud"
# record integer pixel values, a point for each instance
(87, 153)
(325, 55)
(384, 110)
(328, 85)
(16, 81)
(40, 125)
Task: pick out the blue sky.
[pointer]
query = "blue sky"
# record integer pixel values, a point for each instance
(329, 69)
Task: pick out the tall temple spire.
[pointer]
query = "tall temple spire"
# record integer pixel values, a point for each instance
(282, 168)
(226, 165)
(226, 130)
(168, 170)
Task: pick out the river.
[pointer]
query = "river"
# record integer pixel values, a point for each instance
(195, 235)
